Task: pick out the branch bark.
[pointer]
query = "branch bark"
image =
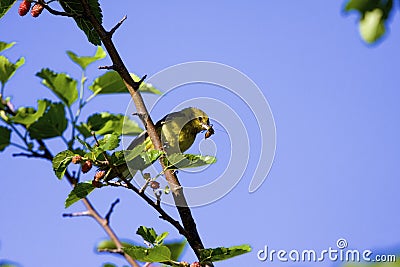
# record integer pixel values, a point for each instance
(184, 211)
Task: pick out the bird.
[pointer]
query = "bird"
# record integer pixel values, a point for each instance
(177, 132)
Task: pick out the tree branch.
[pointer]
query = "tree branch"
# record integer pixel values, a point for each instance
(133, 87)
(110, 211)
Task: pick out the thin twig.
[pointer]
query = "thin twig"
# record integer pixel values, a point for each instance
(111, 250)
(112, 31)
(110, 211)
(77, 214)
(106, 67)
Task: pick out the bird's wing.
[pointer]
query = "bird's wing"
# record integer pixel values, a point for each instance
(138, 140)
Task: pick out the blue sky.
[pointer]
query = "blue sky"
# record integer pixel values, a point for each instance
(334, 101)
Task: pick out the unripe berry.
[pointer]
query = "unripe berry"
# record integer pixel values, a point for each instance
(86, 166)
(99, 175)
(154, 184)
(76, 159)
(24, 7)
(37, 10)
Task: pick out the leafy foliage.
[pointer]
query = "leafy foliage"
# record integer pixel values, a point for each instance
(149, 235)
(155, 254)
(5, 5)
(184, 161)
(105, 123)
(52, 124)
(5, 46)
(111, 83)
(28, 115)
(74, 7)
(61, 162)
(221, 253)
(63, 86)
(85, 61)
(373, 19)
(7, 68)
(5, 135)
(81, 190)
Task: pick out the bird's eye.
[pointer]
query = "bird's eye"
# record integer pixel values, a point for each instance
(200, 119)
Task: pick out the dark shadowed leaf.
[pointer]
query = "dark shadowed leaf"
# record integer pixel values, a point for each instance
(52, 124)
(63, 86)
(111, 83)
(148, 234)
(74, 7)
(85, 61)
(81, 190)
(176, 249)
(5, 5)
(61, 162)
(5, 135)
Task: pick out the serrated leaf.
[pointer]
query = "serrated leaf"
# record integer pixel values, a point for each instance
(106, 123)
(52, 124)
(109, 142)
(121, 157)
(5, 46)
(7, 68)
(74, 7)
(27, 115)
(85, 61)
(184, 161)
(81, 190)
(155, 254)
(372, 26)
(63, 86)
(84, 130)
(5, 5)
(5, 136)
(61, 162)
(148, 234)
(222, 253)
(111, 83)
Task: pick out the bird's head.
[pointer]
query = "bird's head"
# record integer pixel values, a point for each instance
(199, 120)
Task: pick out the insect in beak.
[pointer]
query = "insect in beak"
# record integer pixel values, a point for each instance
(210, 131)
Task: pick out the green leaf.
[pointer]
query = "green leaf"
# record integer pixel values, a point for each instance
(111, 83)
(63, 86)
(144, 160)
(81, 190)
(61, 162)
(5, 136)
(184, 161)
(155, 254)
(5, 5)
(7, 69)
(106, 123)
(85, 61)
(4, 45)
(221, 253)
(109, 244)
(109, 265)
(52, 124)
(361, 5)
(372, 26)
(176, 249)
(148, 234)
(160, 238)
(109, 142)
(74, 7)
(28, 115)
